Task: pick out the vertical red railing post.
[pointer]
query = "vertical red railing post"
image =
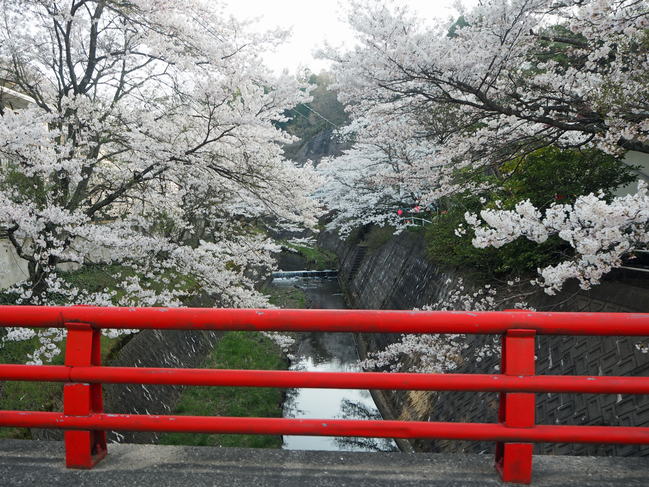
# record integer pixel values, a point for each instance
(83, 449)
(516, 410)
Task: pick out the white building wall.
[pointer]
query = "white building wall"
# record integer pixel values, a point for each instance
(13, 269)
(633, 158)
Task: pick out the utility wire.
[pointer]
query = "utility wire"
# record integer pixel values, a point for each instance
(304, 117)
(323, 118)
(312, 110)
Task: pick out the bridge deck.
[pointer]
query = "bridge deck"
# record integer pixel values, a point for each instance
(28, 463)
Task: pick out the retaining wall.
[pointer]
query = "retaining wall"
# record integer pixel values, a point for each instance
(398, 276)
(150, 348)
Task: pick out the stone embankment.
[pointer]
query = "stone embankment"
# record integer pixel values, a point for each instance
(149, 348)
(398, 276)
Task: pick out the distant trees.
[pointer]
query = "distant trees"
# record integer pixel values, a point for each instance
(326, 110)
(484, 94)
(323, 112)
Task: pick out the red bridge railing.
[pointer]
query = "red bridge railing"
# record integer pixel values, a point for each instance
(85, 423)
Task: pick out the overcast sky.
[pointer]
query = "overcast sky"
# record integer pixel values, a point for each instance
(313, 21)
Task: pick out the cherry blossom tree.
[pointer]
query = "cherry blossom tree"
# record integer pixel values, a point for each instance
(514, 77)
(150, 147)
(520, 75)
(372, 183)
(440, 354)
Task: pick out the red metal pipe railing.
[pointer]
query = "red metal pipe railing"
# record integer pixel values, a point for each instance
(356, 321)
(329, 427)
(85, 423)
(327, 380)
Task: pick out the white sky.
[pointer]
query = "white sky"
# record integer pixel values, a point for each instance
(313, 21)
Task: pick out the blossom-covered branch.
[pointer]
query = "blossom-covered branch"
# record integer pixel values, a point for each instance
(601, 233)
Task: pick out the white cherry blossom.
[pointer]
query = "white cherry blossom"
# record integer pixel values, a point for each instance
(601, 233)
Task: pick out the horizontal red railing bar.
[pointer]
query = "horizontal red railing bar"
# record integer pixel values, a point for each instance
(329, 427)
(362, 321)
(328, 380)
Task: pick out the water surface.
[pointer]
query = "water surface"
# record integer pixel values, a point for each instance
(328, 352)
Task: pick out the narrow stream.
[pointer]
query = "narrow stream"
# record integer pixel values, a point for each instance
(330, 352)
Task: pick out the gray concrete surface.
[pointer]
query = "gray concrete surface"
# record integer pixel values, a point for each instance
(26, 463)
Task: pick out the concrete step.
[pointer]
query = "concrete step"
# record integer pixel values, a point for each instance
(32, 463)
(361, 251)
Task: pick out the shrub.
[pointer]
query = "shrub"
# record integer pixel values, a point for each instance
(545, 177)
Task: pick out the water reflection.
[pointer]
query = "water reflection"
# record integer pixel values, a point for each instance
(328, 352)
(356, 410)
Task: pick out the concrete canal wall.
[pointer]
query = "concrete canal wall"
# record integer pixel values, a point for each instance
(398, 276)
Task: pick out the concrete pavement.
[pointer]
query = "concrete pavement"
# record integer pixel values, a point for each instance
(29, 463)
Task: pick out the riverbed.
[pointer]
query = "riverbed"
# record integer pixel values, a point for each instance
(328, 352)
